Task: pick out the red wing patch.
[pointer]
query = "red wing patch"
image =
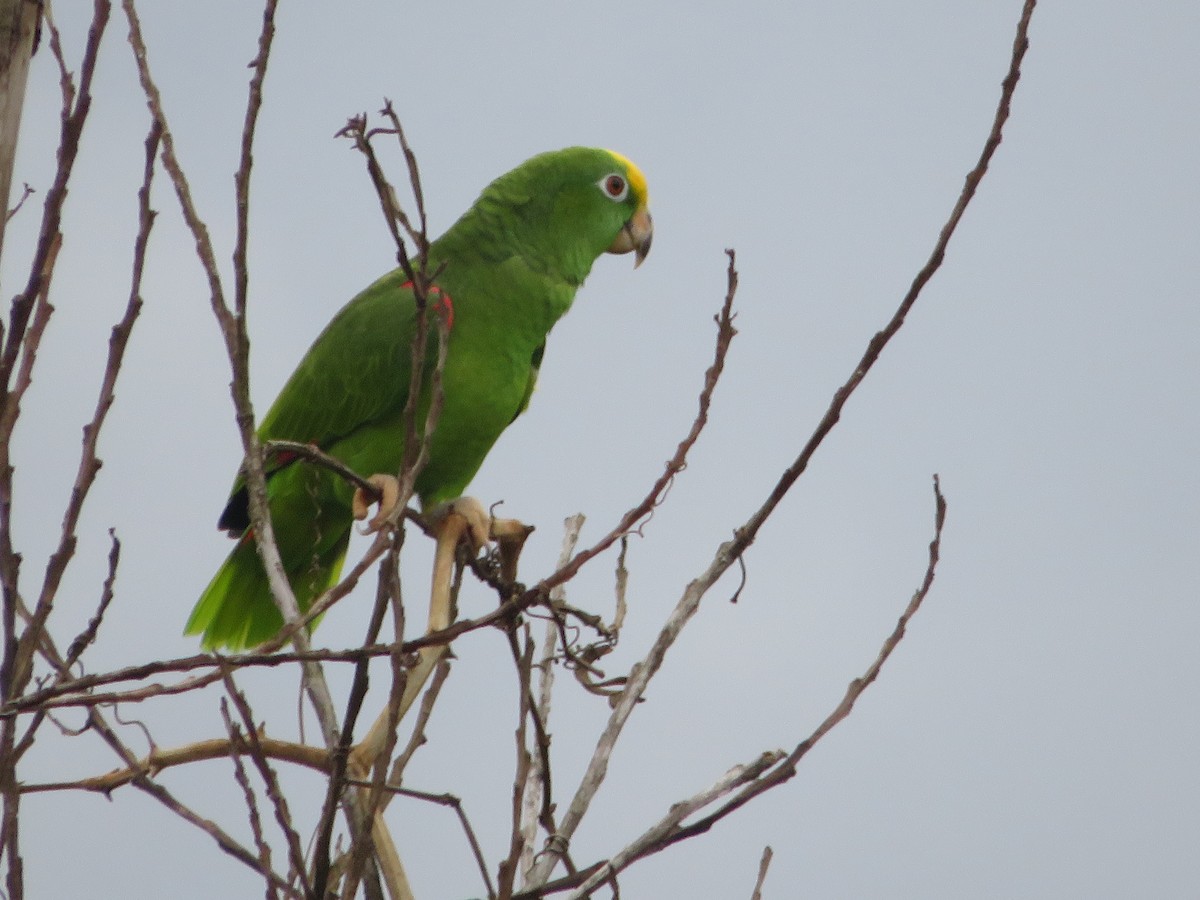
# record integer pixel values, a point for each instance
(442, 304)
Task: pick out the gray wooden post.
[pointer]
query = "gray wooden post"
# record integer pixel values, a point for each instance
(18, 22)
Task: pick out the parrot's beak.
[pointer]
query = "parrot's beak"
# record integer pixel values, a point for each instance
(635, 236)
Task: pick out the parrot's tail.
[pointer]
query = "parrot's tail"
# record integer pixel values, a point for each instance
(236, 611)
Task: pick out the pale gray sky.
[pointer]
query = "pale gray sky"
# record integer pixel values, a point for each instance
(1036, 734)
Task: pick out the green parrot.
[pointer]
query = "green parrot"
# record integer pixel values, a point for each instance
(506, 272)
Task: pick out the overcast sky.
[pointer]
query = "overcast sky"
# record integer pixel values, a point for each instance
(1036, 735)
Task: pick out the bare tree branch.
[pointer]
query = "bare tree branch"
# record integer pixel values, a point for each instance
(598, 767)
(20, 344)
(159, 760)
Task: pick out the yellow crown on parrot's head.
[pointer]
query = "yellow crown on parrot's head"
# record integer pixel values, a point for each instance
(637, 181)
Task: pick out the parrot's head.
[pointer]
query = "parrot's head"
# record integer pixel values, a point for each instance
(638, 231)
(567, 207)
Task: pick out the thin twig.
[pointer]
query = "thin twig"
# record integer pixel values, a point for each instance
(243, 779)
(419, 235)
(522, 653)
(253, 743)
(416, 738)
(318, 457)
(730, 781)
(241, 179)
(677, 463)
(88, 636)
(454, 803)
(746, 534)
(89, 462)
(538, 792)
(26, 193)
(763, 865)
(393, 212)
(640, 675)
(787, 767)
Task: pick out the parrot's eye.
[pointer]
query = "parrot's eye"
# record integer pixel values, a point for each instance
(614, 186)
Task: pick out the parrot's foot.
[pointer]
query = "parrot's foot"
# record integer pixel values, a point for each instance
(510, 535)
(388, 487)
(480, 527)
(476, 524)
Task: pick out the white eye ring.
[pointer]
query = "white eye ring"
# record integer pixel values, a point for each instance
(614, 186)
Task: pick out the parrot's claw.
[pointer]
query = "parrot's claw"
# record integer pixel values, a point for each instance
(388, 487)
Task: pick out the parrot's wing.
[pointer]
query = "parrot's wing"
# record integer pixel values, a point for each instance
(357, 372)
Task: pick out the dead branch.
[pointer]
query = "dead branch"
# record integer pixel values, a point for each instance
(522, 652)
(270, 780)
(454, 803)
(243, 780)
(159, 760)
(417, 738)
(787, 767)
(669, 824)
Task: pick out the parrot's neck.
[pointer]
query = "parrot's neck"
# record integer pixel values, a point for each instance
(494, 231)
(497, 286)
(530, 285)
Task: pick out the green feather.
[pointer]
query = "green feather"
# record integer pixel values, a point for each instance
(511, 266)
